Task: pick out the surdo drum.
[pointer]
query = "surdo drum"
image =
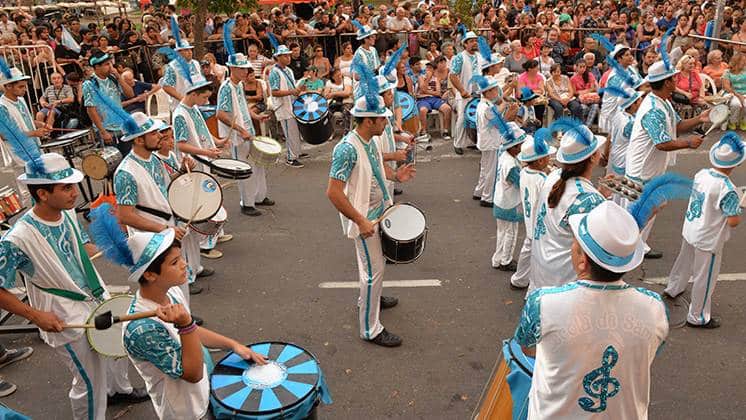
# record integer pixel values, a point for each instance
(100, 164)
(311, 111)
(403, 232)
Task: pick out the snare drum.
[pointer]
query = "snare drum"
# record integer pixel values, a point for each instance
(65, 140)
(195, 190)
(403, 233)
(101, 163)
(311, 111)
(212, 226)
(10, 202)
(226, 168)
(264, 151)
(109, 342)
(505, 396)
(289, 386)
(719, 114)
(409, 114)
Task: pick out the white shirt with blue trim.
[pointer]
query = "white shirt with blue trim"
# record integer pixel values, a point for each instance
(531, 183)
(714, 198)
(655, 123)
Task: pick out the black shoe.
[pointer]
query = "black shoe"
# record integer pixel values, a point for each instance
(206, 272)
(250, 211)
(476, 197)
(266, 202)
(711, 324)
(473, 147)
(294, 163)
(653, 255)
(388, 302)
(197, 320)
(137, 395)
(15, 355)
(483, 203)
(195, 289)
(303, 155)
(511, 266)
(398, 191)
(386, 339)
(665, 295)
(458, 150)
(6, 388)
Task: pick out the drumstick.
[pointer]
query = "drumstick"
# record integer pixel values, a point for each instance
(383, 216)
(106, 320)
(189, 223)
(65, 129)
(96, 255)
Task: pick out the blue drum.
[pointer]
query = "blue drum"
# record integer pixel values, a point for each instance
(470, 113)
(311, 111)
(290, 386)
(408, 105)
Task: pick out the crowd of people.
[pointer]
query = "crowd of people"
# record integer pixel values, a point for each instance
(619, 82)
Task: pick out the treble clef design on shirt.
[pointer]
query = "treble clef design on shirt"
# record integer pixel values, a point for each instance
(600, 384)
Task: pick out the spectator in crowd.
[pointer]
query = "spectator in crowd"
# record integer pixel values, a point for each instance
(298, 61)
(257, 61)
(559, 48)
(338, 90)
(220, 71)
(448, 52)
(535, 82)
(586, 90)
(344, 61)
(320, 62)
(689, 84)
(646, 33)
(54, 100)
(545, 61)
(141, 92)
(7, 26)
(715, 67)
(650, 57)
(514, 62)
(311, 81)
(561, 94)
(734, 82)
(432, 93)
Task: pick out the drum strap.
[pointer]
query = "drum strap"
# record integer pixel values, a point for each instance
(92, 278)
(157, 213)
(67, 294)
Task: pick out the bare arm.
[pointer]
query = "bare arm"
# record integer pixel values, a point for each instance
(47, 321)
(456, 83)
(128, 216)
(335, 194)
(173, 92)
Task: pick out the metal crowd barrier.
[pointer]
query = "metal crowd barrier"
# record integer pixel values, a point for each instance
(36, 61)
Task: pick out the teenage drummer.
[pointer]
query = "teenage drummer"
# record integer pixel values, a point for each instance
(168, 350)
(360, 195)
(51, 249)
(235, 120)
(284, 91)
(179, 72)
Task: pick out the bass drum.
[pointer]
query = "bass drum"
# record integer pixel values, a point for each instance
(505, 396)
(470, 119)
(100, 164)
(311, 111)
(409, 115)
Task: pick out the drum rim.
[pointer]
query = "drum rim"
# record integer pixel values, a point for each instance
(413, 111)
(220, 188)
(310, 122)
(315, 387)
(424, 216)
(227, 173)
(90, 318)
(74, 135)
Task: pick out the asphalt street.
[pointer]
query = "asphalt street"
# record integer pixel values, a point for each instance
(267, 288)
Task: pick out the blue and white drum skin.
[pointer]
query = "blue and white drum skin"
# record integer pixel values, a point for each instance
(207, 111)
(470, 111)
(407, 104)
(311, 111)
(519, 379)
(290, 386)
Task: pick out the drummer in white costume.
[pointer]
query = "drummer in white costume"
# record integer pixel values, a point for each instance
(284, 92)
(182, 69)
(388, 139)
(141, 187)
(655, 132)
(233, 112)
(489, 138)
(357, 189)
(566, 192)
(535, 154)
(168, 351)
(596, 338)
(14, 110)
(368, 54)
(464, 66)
(610, 103)
(49, 246)
(711, 216)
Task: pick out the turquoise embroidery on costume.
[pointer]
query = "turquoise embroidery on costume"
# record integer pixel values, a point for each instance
(148, 340)
(274, 80)
(584, 203)
(526, 203)
(730, 204)
(599, 383)
(627, 131)
(654, 123)
(344, 158)
(509, 215)
(528, 332)
(201, 126)
(696, 202)
(125, 188)
(181, 131)
(540, 228)
(225, 100)
(457, 63)
(13, 259)
(112, 91)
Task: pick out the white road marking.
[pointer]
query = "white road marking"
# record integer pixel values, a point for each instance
(389, 283)
(721, 277)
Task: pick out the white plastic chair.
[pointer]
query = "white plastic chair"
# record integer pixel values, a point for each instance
(162, 109)
(708, 81)
(263, 127)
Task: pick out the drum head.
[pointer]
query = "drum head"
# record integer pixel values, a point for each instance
(310, 107)
(195, 196)
(73, 135)
(290, 377)
(109, 341)
(403, 222)
(232, 165)
(267, 145)
(407, 104)
(719, 114)
(470, 112)
(207, 111)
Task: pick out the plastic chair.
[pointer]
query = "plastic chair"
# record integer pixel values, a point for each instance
(709, 82)
(163, 112)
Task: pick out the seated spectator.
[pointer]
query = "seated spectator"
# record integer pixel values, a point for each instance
(432, 91)
(152, 36)
(561, 94)
(534, 81)
(338, 90)
(688, 83)
(55, 100)
(514, 62)
(311, 81)
(257, 61)
(219, 70)
(694, 53)
(586, 89)
(715, 67)
(254, 92)
(344, 61)
(320, 62)
(734, 82)
(433, 51)
(141, 92)
(545, 61)
(650, 57)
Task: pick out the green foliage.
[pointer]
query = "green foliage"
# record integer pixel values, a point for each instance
(463, 11)
(221, 6)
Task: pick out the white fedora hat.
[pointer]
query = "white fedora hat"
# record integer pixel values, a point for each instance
(728, 152)
(57, 170)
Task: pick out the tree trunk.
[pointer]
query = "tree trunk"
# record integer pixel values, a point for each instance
(200, 16)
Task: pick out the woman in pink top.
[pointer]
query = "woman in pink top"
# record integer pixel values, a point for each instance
(532, 79)
(688, 82)
(586, 88)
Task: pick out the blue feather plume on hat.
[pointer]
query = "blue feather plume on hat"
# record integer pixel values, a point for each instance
(461, 28)
(113, 110)
(570, 124)
(358, 25)
(603, 41)
(368, 83)
(502, 126)
(394, 59)
(663, 48)
(659, 190)
(175, 31)
(109, 237)
(273, 41)
(182, 66)
(22, 145)
(484, 49)
(5, 69)
(541, 141)
(616, 91)
(620, 71)
(228, 37)
(732, 139)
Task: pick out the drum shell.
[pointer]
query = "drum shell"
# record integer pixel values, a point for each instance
(505, 396)
(261, 157)
(411, 125)
(317, 132)
(119, 306)
(109, 156)
(402, 252)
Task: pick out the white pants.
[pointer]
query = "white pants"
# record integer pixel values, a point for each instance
(190, 252)
(507, 236)
(703, 268)
(208, 242)
(645, 233)
(94, 378)
(486, 183)
(254, 188)
(292, 138)
(460, 138)
(370, 265)
(736, 111)
(521, 276)
(23, 192)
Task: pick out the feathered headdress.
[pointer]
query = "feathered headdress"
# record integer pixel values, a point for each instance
(732, 139)
(273, 41)
(368, 83)
(109, 237)
(358, 25)
(502, 126)
(484, 49)
(603, 41)
(461, 29)
(568, 124)
(228, 37)
(113, 110)
(542, 137)
(22, 145)
(394, 60)
(621, 72)
(181, 64)
(663, 188)
(5, 69)
(663, 48)
(175, 31)
(616, 91)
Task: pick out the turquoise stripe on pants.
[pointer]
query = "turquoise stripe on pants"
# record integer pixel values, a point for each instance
(86, 379)
(707, 288)
(370, 285)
